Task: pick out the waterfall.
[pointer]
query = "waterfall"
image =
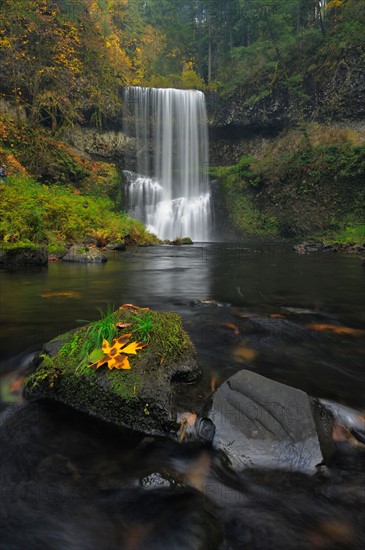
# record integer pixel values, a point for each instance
(170, 191)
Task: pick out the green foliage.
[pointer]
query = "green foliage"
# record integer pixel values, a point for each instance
(352, 234)
(47, 360)
(18, 245)
(56, 249)
(96, 332)
(246, 168)
(52, 214)
(143, 328)
(306, 182)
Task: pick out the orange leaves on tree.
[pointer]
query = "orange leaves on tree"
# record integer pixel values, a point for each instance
(115, 354)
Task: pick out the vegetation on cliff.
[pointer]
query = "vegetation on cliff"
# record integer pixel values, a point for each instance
(55, 197)
(308, 182)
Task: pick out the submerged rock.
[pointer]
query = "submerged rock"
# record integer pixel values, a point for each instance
(84, 254)
(207, 303)
(182, 240)
(263, 423)
(140, 398)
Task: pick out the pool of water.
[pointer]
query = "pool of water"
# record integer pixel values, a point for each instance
(254, 305)
(251, 278)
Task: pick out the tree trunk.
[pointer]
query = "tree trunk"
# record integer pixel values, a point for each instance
(209, 52)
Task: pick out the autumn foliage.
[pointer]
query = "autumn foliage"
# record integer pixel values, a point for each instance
(115, 354)
(61, 59)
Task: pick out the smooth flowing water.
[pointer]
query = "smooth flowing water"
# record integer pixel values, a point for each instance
(170, 191)
(90, 483)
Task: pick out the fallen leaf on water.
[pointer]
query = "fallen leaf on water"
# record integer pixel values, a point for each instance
(197, 473)
(246, 315)
(233, 327)
(332, 532)
(136, 535)
(61, 294)
(16, 384)
(243, 353)
(341, 433)
(337, 329)
(131, 306)
(213, 383)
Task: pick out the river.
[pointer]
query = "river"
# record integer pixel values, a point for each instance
(218, 289)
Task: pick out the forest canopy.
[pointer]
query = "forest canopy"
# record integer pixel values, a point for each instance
(63, 58)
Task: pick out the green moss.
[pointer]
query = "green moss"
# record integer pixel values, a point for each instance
(352, 234)
(58, 249)
(71, 346)
(169, 340)
(73, 381)
(243, 207)
(41, 374)
(20, 245)
(181, 240)
(82, 250)
(125, 384)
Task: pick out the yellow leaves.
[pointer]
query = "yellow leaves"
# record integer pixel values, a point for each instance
(243, 354)
(115, 354)
(333, 4)
(61, 294)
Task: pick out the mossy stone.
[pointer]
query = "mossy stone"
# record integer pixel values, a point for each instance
(140, 398)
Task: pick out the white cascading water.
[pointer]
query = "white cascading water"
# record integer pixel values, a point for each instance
(170, 192)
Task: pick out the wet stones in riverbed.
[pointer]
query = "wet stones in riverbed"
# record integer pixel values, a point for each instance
(64, 486)
(118, 245)
(263, 423)
(140, 398)
(84, 255)
(208, 303)
(310, 247)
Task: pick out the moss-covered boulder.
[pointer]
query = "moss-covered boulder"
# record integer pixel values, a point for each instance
(141, 398)
(19, 254)
(84, 255)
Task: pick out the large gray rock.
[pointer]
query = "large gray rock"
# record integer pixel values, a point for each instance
(84, 255)
(263, 423)
(104, 143)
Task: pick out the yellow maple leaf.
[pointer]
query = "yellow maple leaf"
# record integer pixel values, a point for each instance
(133, 347)
(115, 353)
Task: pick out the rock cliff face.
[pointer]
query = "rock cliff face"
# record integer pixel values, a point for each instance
(336, 96)
(107, 144)
(238, 127)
